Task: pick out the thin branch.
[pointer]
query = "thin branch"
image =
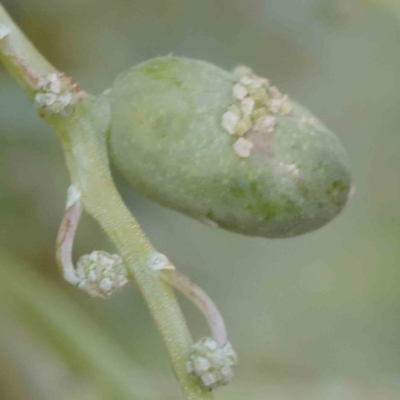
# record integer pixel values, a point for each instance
(203, 302)
(65, 241)
(82, 135)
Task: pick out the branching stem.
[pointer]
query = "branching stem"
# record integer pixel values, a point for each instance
(65, 241)
(82, 136)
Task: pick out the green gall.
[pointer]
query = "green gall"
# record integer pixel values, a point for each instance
(229, 148)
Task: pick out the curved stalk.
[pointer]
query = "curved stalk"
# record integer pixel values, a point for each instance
(65, 241)
(203, 302)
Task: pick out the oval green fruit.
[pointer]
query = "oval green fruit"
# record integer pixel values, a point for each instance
(225, 148)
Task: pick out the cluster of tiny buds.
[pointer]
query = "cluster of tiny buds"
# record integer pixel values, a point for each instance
(55, 96)
(256, 105)
(211, 364)
(101, 274)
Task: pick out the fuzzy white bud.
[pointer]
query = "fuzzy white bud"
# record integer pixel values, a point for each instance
(211, 364)
(229, 121)
(239, 91)
(101, 274)
(243, 147)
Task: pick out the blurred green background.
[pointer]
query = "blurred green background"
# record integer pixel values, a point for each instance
(315, 317)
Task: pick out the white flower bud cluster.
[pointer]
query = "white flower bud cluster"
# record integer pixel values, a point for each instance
(101, 274)
(54, 95)
(256, 105)
(210, 364)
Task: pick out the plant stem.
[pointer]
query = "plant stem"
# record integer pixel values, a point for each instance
(202, 301)
(82, 136)
(86, 156)
(20, 56)
(65, 236)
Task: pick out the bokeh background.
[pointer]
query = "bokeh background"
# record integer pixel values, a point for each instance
(315, 317)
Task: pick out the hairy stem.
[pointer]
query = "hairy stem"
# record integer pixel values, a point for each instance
(86, 156)
(83, 139)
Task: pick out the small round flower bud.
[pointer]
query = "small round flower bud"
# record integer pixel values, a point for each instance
(101, 274)
(210, 364)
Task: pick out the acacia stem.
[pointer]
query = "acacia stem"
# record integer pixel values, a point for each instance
(83, 139)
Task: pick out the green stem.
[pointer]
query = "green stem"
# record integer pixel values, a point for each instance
(20, 57)
(83, 139)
